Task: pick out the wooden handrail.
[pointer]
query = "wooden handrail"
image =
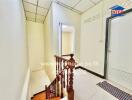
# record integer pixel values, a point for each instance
(64, 78)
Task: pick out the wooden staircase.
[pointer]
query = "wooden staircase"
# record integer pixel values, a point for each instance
(63, 81)
(42, 96)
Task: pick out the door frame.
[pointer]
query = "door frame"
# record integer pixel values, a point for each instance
(60, 37)
(107, 39)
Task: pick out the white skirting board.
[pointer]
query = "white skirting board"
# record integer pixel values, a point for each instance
(26, 86)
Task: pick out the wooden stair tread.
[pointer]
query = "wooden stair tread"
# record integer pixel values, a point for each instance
(42, 96)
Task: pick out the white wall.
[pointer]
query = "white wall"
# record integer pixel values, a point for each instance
(56, 15)
(67, 17)
(37, 82)
(49, 55)
(13, 49)
(35, 33)
(93, 25)
(92, 40)
(25, 91)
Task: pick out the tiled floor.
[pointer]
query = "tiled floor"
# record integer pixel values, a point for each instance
(84, 85)
(86, 89)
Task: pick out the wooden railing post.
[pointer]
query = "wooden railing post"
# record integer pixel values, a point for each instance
(64, 78)
(71, 65)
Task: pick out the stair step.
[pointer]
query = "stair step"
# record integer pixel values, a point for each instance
(42, 96)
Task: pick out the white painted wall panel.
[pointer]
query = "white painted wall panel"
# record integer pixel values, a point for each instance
(35, 33)
(13, 49)
(92, 40)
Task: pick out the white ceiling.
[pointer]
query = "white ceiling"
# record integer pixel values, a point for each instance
(36, 10)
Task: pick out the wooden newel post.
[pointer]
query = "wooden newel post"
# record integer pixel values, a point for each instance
(71, 65)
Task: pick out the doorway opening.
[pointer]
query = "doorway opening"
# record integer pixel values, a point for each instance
(66, 42)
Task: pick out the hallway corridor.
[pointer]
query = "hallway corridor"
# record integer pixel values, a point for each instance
(44, 42)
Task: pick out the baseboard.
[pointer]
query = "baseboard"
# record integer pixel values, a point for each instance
(25, 89)
(89, 71)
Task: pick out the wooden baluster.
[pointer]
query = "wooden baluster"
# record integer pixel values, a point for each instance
(54, 88)
(64, 74)
(62, 95)
(49, 92)
(64, 79)
(58, 78)
(58, 66)
(61, 78)
(67, 78)
(56, 74)
(46, 91)
(58, 88)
